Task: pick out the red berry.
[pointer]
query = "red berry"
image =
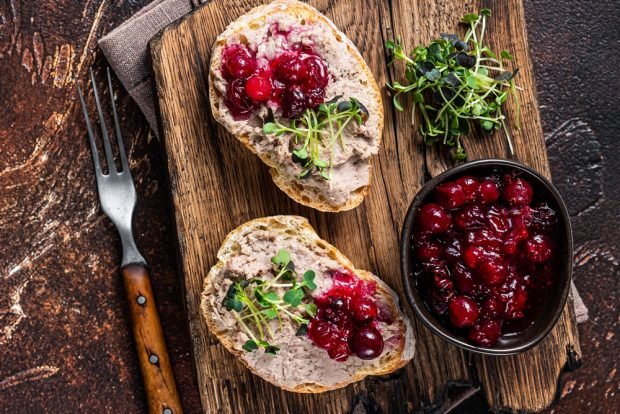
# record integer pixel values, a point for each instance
(366, 342)
(293, 102)
(258, 88)
(462, 311)
(291, 69)
(364, 310)
(237, 101)
(322, 333)
(538, 248)
(450, 195)
(452, 250)
(492, 308)
(339, 351)
(463, 279)
(469, 185)
(489, 192)
(485, 332)
(492, 272)
(473, 256)
(470, 218)
(428, 250)
(516, 303)
(237, 63)
(438, 300)
(433, 218)
(518, 192)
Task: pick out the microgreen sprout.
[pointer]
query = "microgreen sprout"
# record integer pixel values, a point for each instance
(456, 81)
(318, 127)
(255, 302)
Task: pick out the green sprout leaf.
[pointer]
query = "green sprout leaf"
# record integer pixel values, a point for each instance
(250, 345)
(272, 349)
(293, 297)
(282, 258)
(308, 279)
(455, 82)
(302, 330)
(311, 309)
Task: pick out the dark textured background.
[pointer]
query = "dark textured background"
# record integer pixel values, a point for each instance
(65, 343)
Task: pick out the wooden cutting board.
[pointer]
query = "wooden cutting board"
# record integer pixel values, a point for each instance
(217, 185)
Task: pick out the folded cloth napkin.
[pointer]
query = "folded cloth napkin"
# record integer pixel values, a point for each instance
(126, 49)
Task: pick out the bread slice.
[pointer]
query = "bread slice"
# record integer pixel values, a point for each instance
(349, 77)
(299, 366)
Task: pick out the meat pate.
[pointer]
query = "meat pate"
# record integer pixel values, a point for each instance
(299, 361)
(278, 31)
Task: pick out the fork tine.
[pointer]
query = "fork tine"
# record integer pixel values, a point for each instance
(91, 136)
(104, 129)
(117, 127)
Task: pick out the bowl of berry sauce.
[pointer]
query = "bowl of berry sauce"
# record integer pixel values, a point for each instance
(486, 256)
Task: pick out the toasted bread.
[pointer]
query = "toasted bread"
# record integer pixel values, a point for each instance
(299, 366)
(349, 77)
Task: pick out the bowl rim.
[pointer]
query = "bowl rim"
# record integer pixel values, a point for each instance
(407, 264)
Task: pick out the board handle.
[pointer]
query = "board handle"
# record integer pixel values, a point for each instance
(161, 391)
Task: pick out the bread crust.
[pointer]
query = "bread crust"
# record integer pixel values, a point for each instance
(305, 231)
(287, 183)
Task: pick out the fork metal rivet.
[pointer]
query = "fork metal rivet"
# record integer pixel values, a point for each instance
(153, 359)
(167, 410)
(141, 300)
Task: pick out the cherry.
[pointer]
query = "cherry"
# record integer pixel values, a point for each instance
(492, 272)
(258, 88)
(291, 69)
(366, 342)
(462, 311)
(485, 332)
(317, 77)
(489, 192)
(433, 218)
(498, 219)
(450, 195)
(293, 102)
(484, 237)
(363, 309)
(469, 185)
(428, 250)
(538, 248)
(237, 101)
(237, 62)
(518, 192)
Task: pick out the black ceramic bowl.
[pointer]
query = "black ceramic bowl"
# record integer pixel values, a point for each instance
(554, 305)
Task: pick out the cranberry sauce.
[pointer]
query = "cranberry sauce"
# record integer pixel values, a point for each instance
(485, 255)
(346, 320)
(294, 81)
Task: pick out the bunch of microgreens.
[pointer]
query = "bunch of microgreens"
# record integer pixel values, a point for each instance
(322, 125)
(255, 302)
(456, 81)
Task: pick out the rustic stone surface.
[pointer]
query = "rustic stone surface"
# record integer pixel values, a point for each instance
(64, 337)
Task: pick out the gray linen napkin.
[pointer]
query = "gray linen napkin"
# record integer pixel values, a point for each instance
(126, 49)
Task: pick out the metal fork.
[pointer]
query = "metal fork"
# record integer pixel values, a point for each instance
(117, 196)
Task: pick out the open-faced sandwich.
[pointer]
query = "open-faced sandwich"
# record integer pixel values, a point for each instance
(298, 313)
(296, 91)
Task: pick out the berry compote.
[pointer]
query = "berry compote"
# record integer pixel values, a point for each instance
(484, 252)
(347, 319)
(293, 81)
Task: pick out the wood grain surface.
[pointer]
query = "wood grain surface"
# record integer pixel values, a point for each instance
(212, 195)
(162, 396)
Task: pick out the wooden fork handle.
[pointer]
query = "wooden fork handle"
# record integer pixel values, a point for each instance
(161, 390)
